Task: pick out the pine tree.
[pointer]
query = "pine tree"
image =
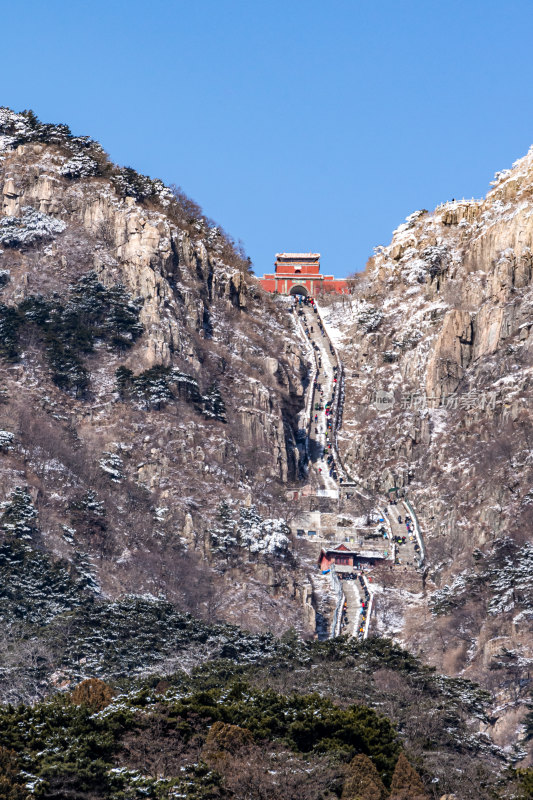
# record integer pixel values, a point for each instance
(18, 515)
(31, 118)
(122, 318)
(153, 387)
(223, 536)
(363, 781)
(124, 378)
(89, 512)
(187, 388)
(214, 405)
(250, 527)
(112, 464)
(67, 370)
(9, 326)
(406, 783)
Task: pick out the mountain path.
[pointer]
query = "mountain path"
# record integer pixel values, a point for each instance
(328, 473)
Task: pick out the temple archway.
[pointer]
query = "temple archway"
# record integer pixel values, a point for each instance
(299, 290)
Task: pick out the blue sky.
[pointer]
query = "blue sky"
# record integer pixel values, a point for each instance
(297, 125)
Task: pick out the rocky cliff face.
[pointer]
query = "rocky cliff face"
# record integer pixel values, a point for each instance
(441, 322)
(144, 382)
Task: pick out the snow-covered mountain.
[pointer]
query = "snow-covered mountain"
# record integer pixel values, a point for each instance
(151, 403)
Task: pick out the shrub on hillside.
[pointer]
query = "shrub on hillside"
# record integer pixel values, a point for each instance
(87, 512)
(368, 316)
(158, 386)
(248, 531)
(130, 183)
(80, 166)
(12, 784)
(224, 740)
(35, 588)
(112, 465)
(6, 440)
(24, 128)
(436, 259)
(29, 229)
(93, 693)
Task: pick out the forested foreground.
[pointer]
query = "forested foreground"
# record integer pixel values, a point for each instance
(308, 720)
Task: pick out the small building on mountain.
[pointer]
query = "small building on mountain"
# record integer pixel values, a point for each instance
(347, 559)
(299, 273)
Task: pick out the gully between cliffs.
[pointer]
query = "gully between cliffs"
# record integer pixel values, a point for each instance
(350, 559)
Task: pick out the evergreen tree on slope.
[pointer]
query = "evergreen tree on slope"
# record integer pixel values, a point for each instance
(363, 781)
(406, 783)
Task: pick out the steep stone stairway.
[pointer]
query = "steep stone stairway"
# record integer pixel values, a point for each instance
(351, 619)
(327, 472)
(402, 526)
(322, 421)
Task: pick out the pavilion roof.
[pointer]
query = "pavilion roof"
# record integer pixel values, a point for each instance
(297, 255)
(342, 548)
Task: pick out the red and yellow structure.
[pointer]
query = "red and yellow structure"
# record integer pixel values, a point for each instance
(299, 273)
